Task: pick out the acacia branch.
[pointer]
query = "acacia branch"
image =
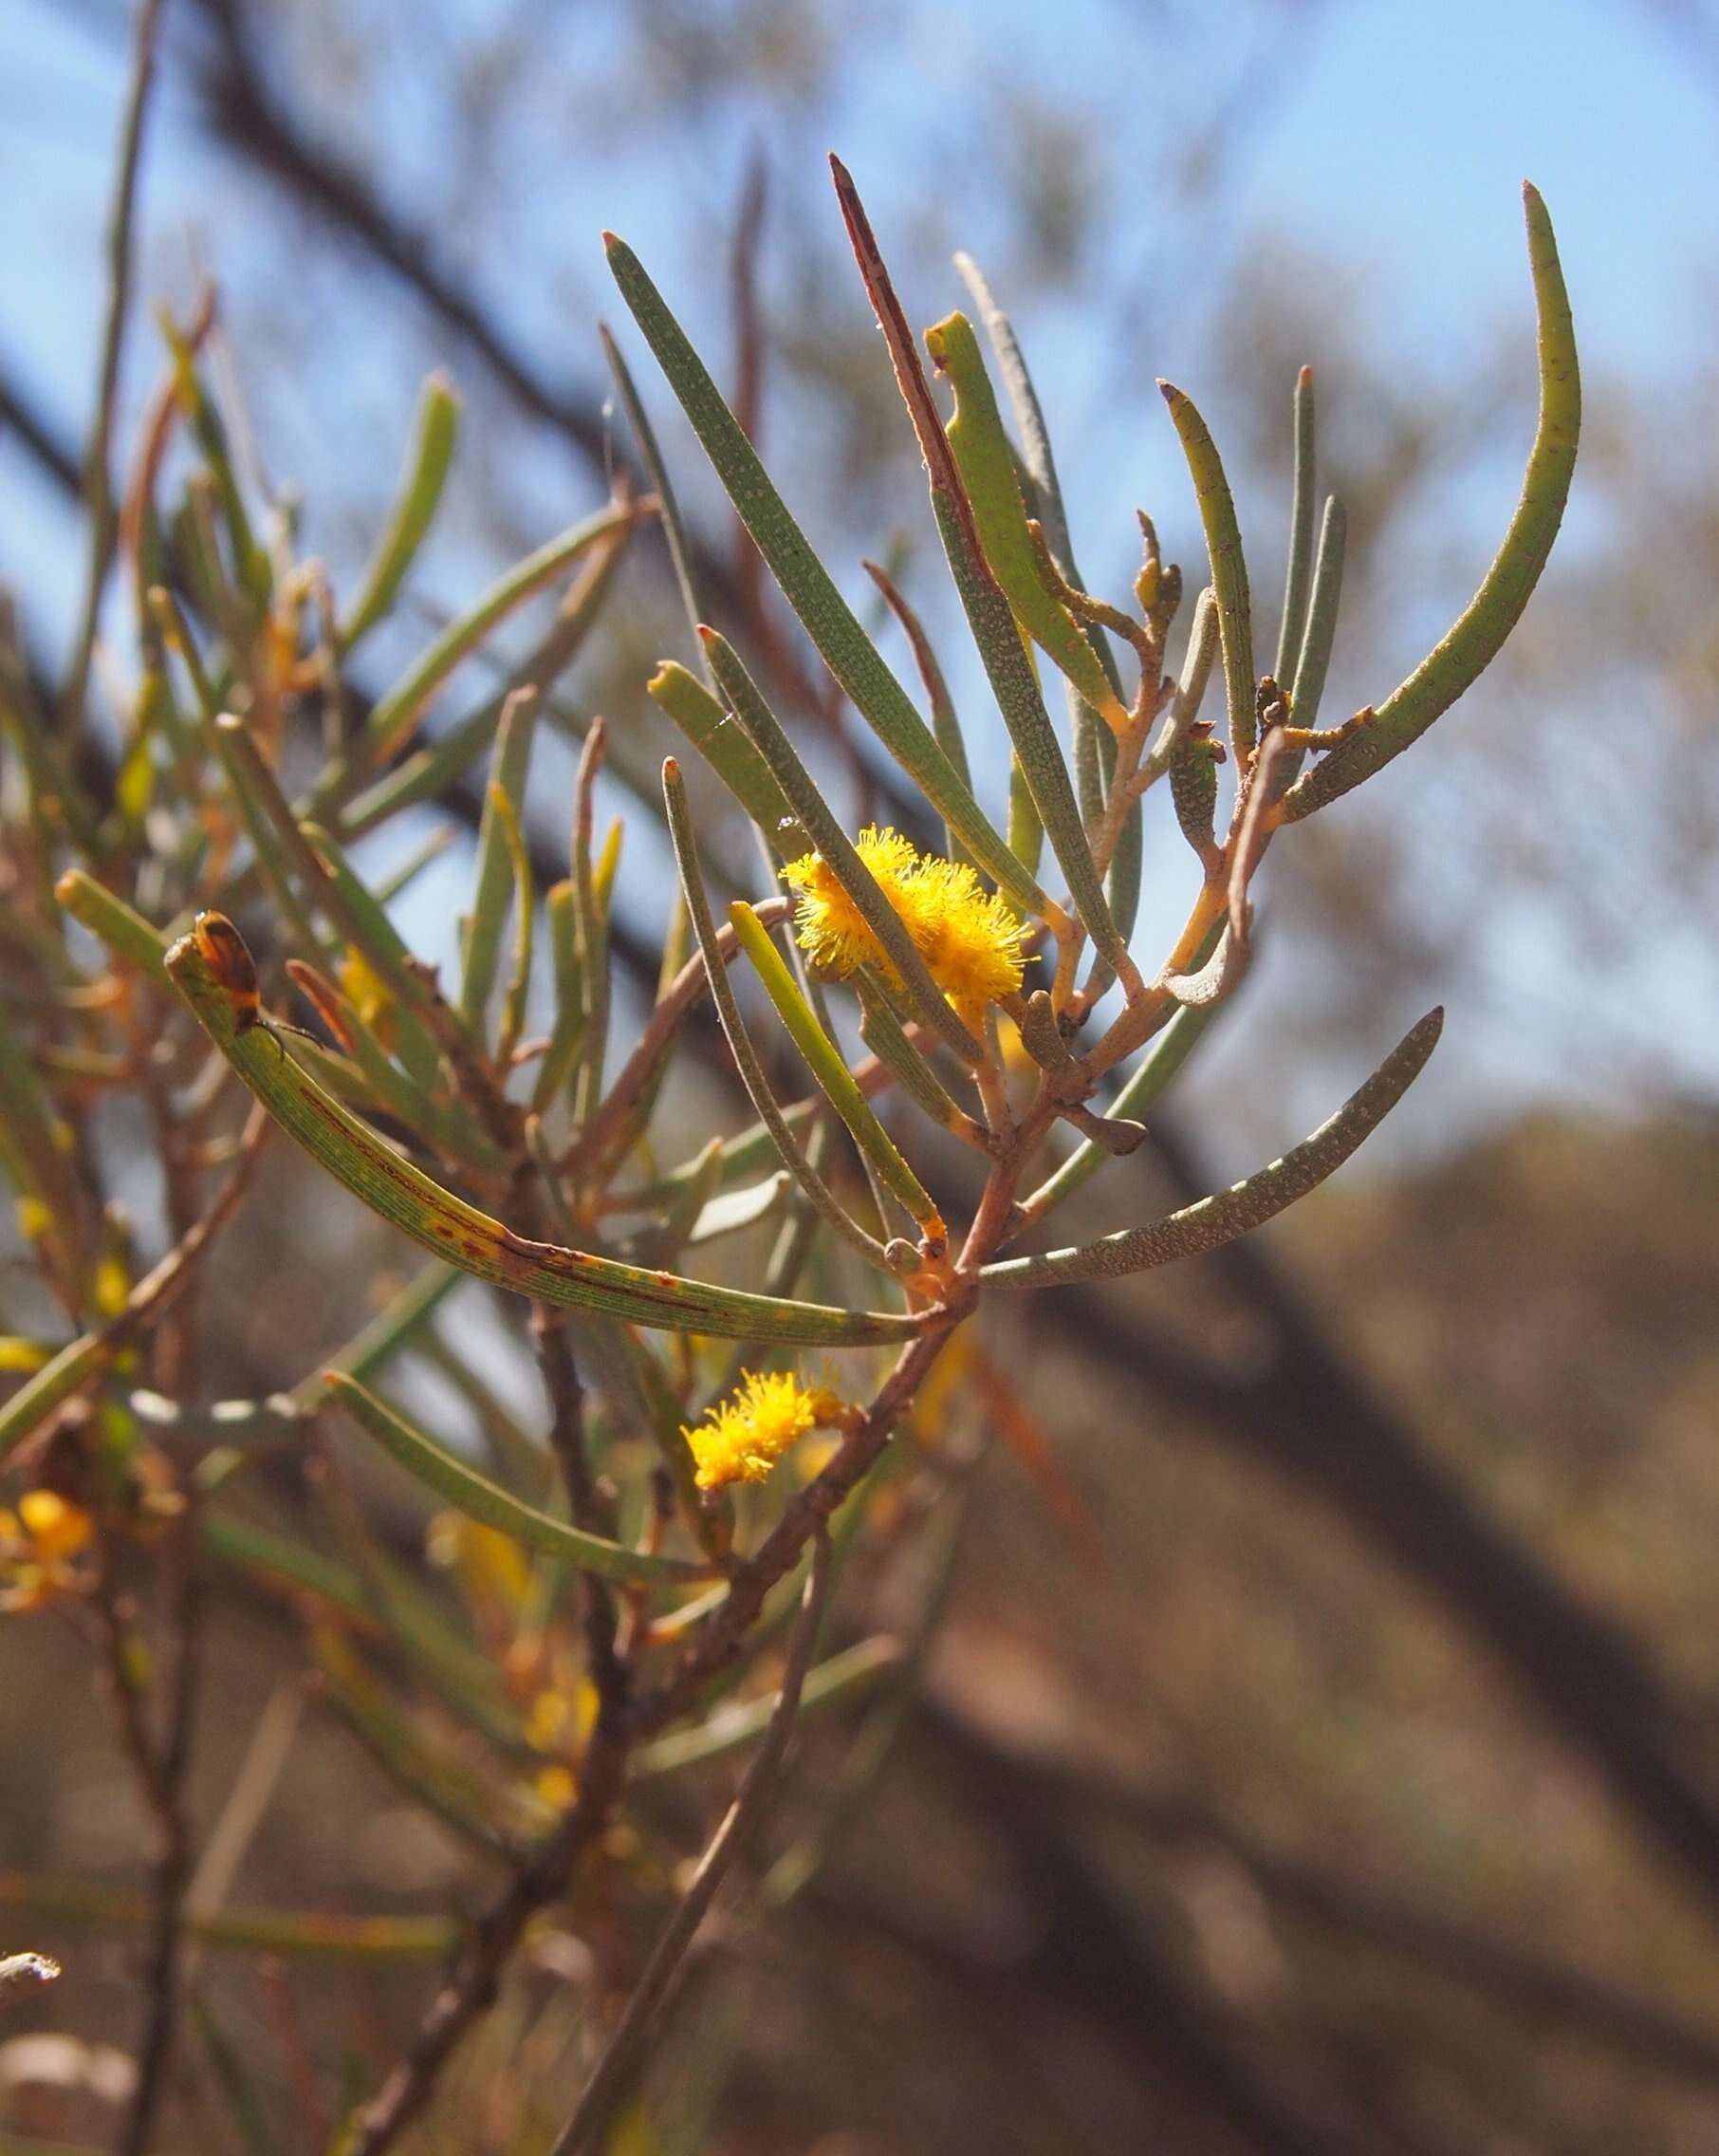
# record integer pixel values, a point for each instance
(619, 2064)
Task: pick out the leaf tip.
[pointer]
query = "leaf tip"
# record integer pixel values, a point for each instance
(1537, 216)
(1420, 1040)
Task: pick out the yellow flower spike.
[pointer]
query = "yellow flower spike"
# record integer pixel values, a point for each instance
(56, 1529)
(968, 937)
(829, 927)
(37, 1544)
(745, 1435)
(556, 1787)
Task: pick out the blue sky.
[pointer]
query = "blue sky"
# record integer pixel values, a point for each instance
(1396, 140)
(1416, 123)
(1390, 137)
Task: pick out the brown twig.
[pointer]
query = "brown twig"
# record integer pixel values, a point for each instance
(260, 128)
(284, 2022)
(472, 1985)
(620, 2061)
(173, 1868)
(98, 478)
(605, 1667)
(721, 1638)
(157, 1769)
(158, 1765)
(166, 1281)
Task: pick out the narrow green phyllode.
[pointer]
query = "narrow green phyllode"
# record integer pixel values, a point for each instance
(427, 464)
(826, 617)
(828, 1066)
(1293, 624)
(1229, 565)
(1474, 640)
(746, 1059)
(986, 467)
(1245, 1205)
(474, 1495)
(393, 1188)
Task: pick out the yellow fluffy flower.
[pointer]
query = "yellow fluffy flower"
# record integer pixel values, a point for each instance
(37, 1545)
(742, 1436)
(968, 936)
(558, 1724)
(830, 929)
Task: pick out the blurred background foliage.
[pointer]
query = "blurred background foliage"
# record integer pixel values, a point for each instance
(1319, 1749)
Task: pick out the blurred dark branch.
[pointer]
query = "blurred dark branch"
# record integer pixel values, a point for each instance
(259, 128)
(98, 471)
(39, 438)
(253, 124)
(1085, 1953)
(1692, 29)
(244, 114)
(1308, 1412)
(256, 125)
(1335, 1901)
